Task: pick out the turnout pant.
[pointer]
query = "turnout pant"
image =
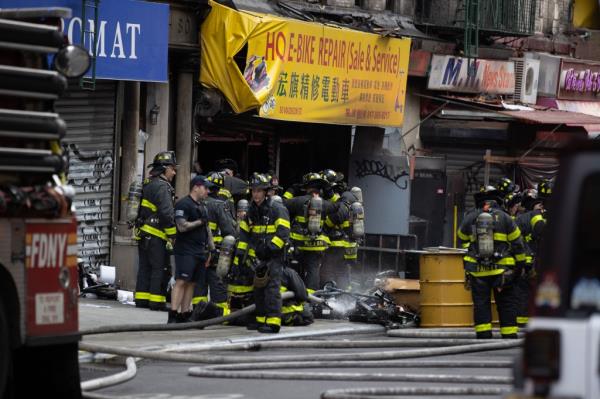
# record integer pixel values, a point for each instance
(522, 289)
(153, 273)
(209, 282)
(335, 268)
(506, 301)
(310, 265)
(268, 298)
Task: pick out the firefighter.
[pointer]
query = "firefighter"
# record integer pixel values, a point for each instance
(512, 204)
(341, 255)
(261, 247)
(192, 248)
(494, 260)
(221, 224)
(506, 186)
(295, 311)
(155, 231)
(307, 213)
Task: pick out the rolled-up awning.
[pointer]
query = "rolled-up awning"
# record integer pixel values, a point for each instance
(303, 71)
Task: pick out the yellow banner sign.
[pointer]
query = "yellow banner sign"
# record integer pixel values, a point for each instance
(304, 71)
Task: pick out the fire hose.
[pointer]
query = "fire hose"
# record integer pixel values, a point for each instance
(436, 343)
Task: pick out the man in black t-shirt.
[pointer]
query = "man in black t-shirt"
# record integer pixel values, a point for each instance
(192, 247)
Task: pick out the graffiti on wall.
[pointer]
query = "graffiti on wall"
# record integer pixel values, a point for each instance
(392, 173)
(91, 173)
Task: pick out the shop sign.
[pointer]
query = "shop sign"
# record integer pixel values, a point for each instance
(471, 75)
(132, 36)
(579, 81)
(303, 71)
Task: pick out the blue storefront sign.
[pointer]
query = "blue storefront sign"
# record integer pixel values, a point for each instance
(132, 36)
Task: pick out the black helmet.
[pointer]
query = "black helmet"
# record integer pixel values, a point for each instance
(216, 178)
(260, 180)
(330, 175)
(487, 193)
(545, 189)
(164, 158)
(506, 186)
(512, 199)
(314, 180)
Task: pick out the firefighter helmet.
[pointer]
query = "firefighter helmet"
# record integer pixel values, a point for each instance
(216, 178)
(260, 180)
(545, 189)
(530, 198)
(314, 180)
(487, 193)
(163, 159)
(506, 186)
(512, 199)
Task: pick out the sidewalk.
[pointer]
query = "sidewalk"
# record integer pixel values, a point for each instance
(95, 312)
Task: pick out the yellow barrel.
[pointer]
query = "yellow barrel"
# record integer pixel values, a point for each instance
(444, 300)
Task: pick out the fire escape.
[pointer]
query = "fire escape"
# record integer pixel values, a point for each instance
(470, 21)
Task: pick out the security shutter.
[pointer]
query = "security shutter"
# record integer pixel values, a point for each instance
(90, 118)
(468, 163)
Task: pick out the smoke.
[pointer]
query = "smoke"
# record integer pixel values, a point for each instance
(342, 304)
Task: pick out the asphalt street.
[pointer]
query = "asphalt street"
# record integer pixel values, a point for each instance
(167, 379)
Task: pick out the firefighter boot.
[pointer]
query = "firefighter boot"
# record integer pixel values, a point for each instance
(268, 329)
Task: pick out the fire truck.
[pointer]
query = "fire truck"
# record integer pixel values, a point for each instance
(38, 230)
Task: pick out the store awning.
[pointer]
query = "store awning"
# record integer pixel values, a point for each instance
(553, 117)
(294, 70)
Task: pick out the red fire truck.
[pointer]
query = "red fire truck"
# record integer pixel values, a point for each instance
(38, 230)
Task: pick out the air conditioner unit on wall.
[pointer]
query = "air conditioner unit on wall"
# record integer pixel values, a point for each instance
(527, 72)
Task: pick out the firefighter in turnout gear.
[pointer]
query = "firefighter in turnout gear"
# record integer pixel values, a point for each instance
(494, 260)
(261, 248)
(342, 252)
(295, 311)
(308, 213)
(155, 230)
(531, 223)
(221, 224)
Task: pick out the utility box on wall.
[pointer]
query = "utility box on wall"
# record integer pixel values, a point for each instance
(385, 185)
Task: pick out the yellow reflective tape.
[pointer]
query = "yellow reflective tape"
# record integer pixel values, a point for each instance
(335, 198)
(328, 222)
(273, 321)
(225, 307)
(242, 245)
(212, 225)
(310, 291)
(288, 195)
(520, 257)
(147, 204)
(515, 234)
(509, 330)
(198, 299)
(217, 239)
(500, 237)
(346, 224)
(240, 289)
(483, 327)
(492, 272)
(282, 222)
(158, 298)
(465, 245)
(171, 231)
(260, 319)
(251, 252)
(244, 226)
(351, 257)
(277, 241)
(469, 259)
(282, 289)
(462, 235)
(528, 259)
(313, 249)
(142, 295)
(522, 319)
(287, 309)
(298, 237)
(536, 219)
(300, 219)
(509, 260)
(153, 231)
(236, 261)
(224, 192)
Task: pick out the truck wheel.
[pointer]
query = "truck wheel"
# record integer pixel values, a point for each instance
(55, 367)
(5, 352)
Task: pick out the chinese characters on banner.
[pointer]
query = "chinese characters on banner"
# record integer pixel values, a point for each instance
(311, 72)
